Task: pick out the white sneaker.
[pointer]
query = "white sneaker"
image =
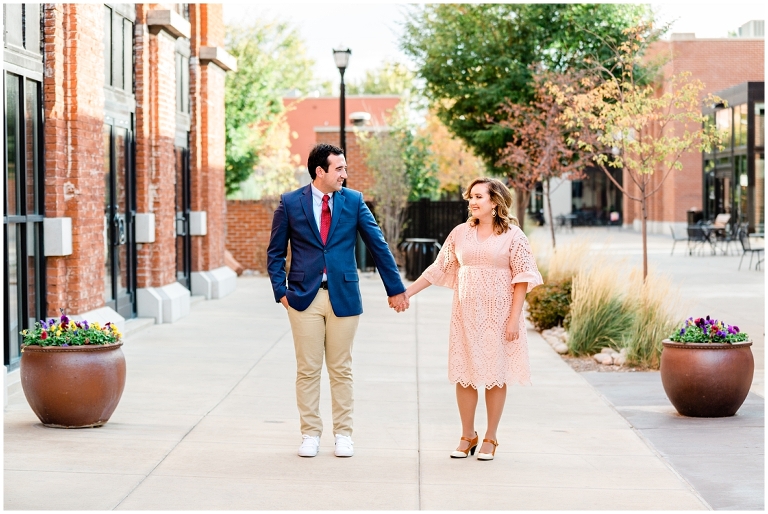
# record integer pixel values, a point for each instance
(344, 446)
(310, 445)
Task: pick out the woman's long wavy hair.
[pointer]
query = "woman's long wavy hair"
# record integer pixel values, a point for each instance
(501, 197)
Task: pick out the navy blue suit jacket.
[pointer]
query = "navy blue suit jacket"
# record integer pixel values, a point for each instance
(294, 221)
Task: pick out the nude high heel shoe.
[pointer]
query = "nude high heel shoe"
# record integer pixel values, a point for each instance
(463, 454)
(488, 456)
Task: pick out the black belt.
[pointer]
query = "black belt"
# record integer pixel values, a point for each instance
(324, 284)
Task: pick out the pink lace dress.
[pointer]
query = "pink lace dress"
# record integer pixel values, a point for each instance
(482, 275)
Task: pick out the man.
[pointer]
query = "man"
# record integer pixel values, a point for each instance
(322, 295)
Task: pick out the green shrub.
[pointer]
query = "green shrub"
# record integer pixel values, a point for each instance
(549, 304)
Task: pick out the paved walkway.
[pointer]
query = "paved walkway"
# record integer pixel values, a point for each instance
(208, 421)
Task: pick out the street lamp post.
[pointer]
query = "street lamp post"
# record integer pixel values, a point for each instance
(341, 56)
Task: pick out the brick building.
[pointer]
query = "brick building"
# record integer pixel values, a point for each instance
(720, 63)
(114, 162)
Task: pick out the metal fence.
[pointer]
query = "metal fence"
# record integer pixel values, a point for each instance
(433, 220)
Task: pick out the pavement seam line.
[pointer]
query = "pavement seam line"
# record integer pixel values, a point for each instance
(224, 397)
(650, 445)
(418, 405)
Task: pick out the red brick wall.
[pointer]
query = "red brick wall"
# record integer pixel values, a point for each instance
(155, 160)
(249, 223)
(719, 64)
(207, 152)
(360, 177)
(74, 168)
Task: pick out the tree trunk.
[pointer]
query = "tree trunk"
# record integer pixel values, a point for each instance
(644, 202)
(549, 208)
(521, 204)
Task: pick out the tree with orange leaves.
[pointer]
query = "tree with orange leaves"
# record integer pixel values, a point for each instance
(539, 149)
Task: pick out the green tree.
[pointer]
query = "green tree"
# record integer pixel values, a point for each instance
(475, 57)
(392, 78)
(644, 129)
(271, 59)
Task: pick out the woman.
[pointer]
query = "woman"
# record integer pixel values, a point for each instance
(488, 263)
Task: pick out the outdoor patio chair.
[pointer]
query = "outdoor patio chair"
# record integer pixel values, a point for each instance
(748, 247)
(675, 239)
(697, 237)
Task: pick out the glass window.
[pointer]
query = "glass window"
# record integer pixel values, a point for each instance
(740, 125)
(107, 138)
(12, 136)
(32, 27)
(759, 207)
(723, 122)
(760, 124)
(12, 285)
(107, 46)
(182, 84)
(127, 56)
(31, 143)
(117, 51)
(14, 24)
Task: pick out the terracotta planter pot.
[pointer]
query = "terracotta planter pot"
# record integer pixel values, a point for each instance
(73, 386)
(707, 380)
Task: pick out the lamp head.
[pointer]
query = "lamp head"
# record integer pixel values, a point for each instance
(341, 56)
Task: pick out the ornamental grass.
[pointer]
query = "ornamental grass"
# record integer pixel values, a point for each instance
(600, 313)
(656, 306)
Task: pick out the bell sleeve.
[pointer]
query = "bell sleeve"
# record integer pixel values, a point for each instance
(523, 264)
(444, 271)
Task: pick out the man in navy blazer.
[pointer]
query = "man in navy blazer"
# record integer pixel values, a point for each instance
(322, 294)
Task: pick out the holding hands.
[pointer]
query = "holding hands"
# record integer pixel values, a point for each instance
(399, 302)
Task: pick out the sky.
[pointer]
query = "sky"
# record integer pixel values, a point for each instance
(371, 30)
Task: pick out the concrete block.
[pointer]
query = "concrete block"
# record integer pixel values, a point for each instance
(198, 223)
(145, 227)
(218, 56)
(149, 304)
(57, 240)
(102, 315)
(201, 284)
(175, 302)
(166, 304)
(170, 21)
(224, 282)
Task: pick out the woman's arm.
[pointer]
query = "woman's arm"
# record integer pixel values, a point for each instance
(518, 299)
(421, 283)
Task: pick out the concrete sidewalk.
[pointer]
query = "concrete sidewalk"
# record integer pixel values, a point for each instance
(208, 421)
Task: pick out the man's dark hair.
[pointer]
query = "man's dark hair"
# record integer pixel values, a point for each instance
(319, 157)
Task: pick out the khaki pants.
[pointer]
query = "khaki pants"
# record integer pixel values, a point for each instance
(317, 332)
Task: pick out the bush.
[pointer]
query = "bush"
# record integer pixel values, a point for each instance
(549, 304)
(599, 315)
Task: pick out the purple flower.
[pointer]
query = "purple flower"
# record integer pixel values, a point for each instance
(735, 329)
(707, 318)
(682, 331)
(64, 344)
(51, 322)
(43, 323)
(64, 319)
(720, 333)
(85, 323)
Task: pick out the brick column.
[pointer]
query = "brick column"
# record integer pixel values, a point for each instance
(155, 158)
(74, 153)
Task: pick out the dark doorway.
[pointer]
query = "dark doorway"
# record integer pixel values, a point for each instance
(183, 238)
(119, 212)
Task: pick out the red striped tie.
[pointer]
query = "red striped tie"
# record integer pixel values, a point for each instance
(325, 219)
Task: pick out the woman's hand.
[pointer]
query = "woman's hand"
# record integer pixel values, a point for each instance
(513, 329)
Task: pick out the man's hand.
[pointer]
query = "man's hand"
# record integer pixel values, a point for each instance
(284, 301)
(399, 302)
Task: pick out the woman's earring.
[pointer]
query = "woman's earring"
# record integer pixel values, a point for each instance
(493, 212)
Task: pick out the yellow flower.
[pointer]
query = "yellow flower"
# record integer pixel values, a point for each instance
(96, 325)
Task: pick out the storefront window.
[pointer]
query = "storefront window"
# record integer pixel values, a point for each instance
(759, 207)
(740, 125)
(723, 122)
(759, 124)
